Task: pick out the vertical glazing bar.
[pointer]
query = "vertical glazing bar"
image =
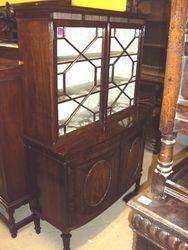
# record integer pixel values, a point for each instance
(138, 70)
(105, 73)
(55, 73)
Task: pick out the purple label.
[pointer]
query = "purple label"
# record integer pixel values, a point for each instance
(60, 31)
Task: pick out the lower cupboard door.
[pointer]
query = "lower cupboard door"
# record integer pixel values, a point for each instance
(93, 187)
(132, 150)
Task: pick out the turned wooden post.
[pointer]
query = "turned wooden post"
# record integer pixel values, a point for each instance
(171, 92)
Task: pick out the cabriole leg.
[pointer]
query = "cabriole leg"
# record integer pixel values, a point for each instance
(137, 185)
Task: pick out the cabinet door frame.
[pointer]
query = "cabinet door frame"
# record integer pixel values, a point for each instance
(79, 174)
(127, 143)
(105, 61)
(80, 24)
(140, 27)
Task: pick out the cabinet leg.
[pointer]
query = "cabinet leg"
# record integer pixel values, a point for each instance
(35, 209)
(66, 240)
(134, 192)
(12, 224)
(137, 185)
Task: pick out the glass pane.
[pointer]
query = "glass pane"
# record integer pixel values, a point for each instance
(79, 53)
(123, 68)
(87, 113)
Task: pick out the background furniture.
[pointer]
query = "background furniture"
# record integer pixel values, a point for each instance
(8, 34)
(14, 190)
(159, 224)
(161, 219)
(84, 137)
(153, 67)
(9, 50)
(8, 29)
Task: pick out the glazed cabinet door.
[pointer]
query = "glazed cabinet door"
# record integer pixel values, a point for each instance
(93, 183)
(124, 57)
(79, 60)
(96, 71)
(132, 149)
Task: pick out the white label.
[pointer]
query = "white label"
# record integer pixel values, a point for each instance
(145, 200)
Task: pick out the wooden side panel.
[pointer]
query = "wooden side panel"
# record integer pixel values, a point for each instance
(13, 183)
(38, 88)
(47, 178)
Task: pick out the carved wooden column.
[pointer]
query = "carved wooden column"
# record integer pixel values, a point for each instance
(171, 92)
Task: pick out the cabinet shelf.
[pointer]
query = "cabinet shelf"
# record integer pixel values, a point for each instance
(90, 56)
(156, 20)
(155, 45)
(82, 90)
(152, 73)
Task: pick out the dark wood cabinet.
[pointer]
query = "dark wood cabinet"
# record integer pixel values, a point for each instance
(84, 137)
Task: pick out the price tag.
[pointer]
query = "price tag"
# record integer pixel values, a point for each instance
(144, 200)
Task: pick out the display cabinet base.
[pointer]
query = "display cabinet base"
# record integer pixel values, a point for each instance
(9, 220)
(66, 235)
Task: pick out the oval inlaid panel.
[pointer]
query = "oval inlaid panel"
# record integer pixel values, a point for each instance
(134, 157)
(97, 183)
